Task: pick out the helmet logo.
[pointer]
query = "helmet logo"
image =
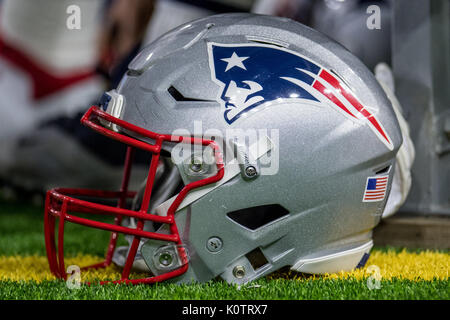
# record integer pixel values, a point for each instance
(253, 76)
(238, 98)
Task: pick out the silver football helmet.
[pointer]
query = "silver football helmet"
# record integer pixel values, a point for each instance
(271, 145)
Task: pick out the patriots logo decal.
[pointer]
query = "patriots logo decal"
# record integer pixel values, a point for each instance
(253, 75)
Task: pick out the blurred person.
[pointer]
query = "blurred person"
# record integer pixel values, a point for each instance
(51, 74)
(130, 25)
(122, 34)
(47, 70)
(48, 78)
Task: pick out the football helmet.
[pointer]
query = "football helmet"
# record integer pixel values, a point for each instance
(272, 146)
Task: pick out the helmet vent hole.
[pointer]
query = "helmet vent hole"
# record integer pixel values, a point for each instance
(257, 217)
(133, 73)
(256, 259)
(178, 96)
(383, 170)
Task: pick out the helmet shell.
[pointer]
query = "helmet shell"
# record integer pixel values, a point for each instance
(324, 159)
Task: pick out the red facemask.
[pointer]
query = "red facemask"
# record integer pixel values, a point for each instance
(63, 203)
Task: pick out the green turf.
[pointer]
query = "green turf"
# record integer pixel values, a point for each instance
(21, 232)
(267, 289)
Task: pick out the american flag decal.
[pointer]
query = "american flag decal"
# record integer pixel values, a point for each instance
(375, 188)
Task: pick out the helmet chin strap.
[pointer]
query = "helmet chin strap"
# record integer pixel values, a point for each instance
(120, 257)
(167, 181)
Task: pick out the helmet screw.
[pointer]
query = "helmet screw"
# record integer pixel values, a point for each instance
(239, 272)
(250, 171)
(166, 259)
(196, 165)
(214, 244)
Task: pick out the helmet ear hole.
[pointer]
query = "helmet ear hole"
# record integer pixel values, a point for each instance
(257, 217)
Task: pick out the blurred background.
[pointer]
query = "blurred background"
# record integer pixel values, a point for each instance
(57, 57)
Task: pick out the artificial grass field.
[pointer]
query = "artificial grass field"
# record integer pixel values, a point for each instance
(24, 274)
